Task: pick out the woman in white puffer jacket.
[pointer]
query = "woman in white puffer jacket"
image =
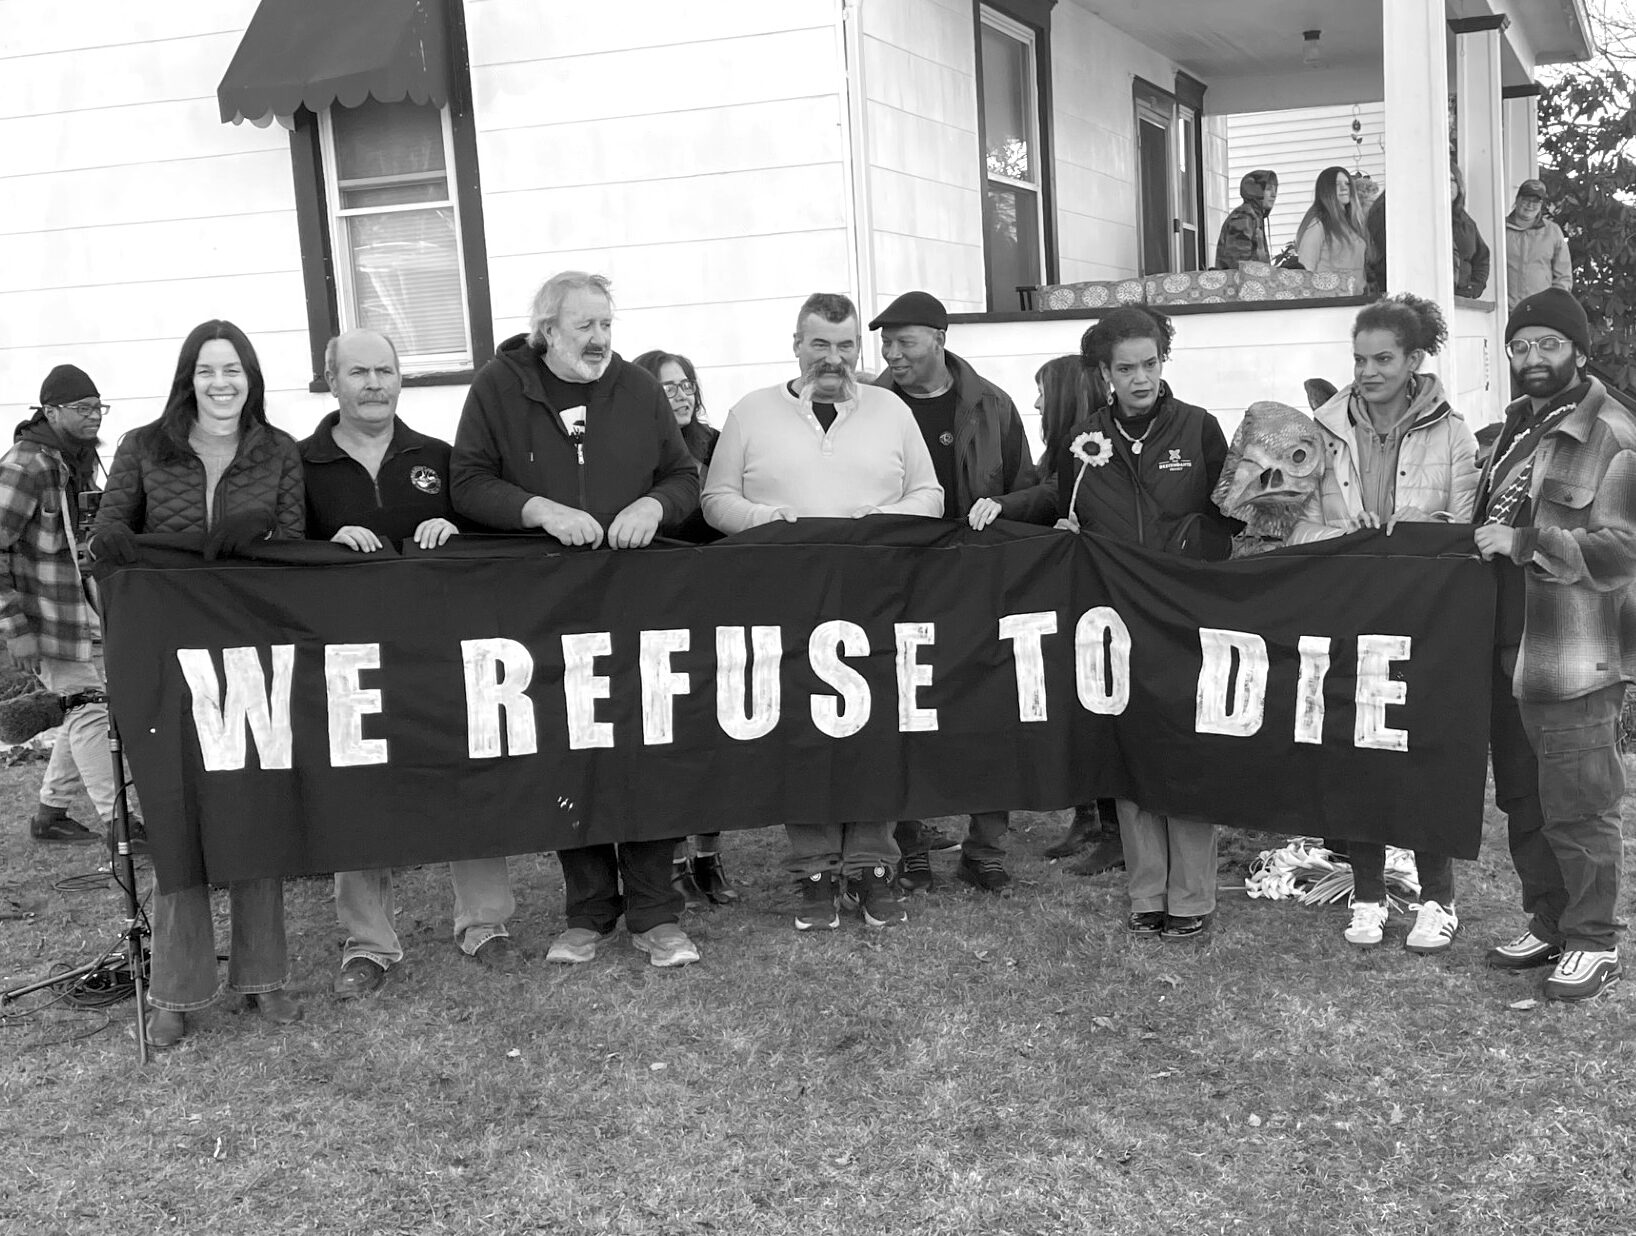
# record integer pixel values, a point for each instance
(1397, 452)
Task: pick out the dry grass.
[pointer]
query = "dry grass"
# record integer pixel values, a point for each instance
(999, 1066)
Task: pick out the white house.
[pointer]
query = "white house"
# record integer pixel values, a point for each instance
(300, 166)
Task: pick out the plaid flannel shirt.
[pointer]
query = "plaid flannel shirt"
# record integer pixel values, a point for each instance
(41, 592)
(1579, 555)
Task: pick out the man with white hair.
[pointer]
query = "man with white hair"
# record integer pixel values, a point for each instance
(560, 434)
(372, 479)
(822, 446)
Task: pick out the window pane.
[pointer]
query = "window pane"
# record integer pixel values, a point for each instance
(1007, 115)
(1011, 249)
(389, 154)
(406, 279)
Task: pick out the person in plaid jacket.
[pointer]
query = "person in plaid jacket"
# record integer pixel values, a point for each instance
(49, 625)
(1557, 503)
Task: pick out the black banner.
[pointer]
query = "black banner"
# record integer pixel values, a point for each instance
(312, 711)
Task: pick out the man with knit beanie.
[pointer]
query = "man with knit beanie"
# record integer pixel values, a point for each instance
(51, 630)
(1557, 502)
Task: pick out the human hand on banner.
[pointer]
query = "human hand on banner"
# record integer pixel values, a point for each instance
(233, 533)
(983, 512)
(1408, 515)
(1495, 540)
(1363, 519)
(568, 524)
(777, 513)
(1070, 524)
(433, 532)
(863, 511)
(114, 543)
(636, 525)
(354, 536)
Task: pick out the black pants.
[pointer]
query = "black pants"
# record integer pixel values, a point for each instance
(595, 873)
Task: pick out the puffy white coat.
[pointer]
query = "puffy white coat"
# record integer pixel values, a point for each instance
(1436, 464)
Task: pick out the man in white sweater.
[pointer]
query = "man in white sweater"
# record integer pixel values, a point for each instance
(822, 446)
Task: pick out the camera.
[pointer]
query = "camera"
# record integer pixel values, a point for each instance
(90, 501)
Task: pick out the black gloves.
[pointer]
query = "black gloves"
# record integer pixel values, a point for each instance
(233, 533)
(114, 544)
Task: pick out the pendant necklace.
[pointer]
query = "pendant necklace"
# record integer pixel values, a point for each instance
(1135, 443)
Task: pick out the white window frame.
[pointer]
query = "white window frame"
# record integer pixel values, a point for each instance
(340, 244)
(1183, 196)
(1025, 35)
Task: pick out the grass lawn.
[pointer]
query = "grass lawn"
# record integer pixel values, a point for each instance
(998, 1066)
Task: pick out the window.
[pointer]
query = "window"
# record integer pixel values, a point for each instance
(395, 229)
(1016, 197)
(1169, 187)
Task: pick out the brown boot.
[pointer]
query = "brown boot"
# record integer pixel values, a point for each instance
(277, 1007)
(1086, 828)
(165, 1028)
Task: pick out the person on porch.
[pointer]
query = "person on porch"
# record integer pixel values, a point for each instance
(1536, 251)
(1244, 231)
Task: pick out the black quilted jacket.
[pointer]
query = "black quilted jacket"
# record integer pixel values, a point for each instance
(149, 496)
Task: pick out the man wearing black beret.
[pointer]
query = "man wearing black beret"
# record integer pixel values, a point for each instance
(1557, 502)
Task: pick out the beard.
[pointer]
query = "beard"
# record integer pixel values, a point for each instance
(576, 366)
(1545, 380)
(811, 375)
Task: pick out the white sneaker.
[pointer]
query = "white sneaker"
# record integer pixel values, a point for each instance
(1433, 930)
(1368, 920)
(1582, 973)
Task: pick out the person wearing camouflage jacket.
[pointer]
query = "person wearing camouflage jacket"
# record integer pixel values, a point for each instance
(1244, 231)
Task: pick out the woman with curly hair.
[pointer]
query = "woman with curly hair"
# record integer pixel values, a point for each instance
(1397, 453)
(1331, 236)
(1161, 460)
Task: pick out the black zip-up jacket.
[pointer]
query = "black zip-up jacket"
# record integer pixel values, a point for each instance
(411, 486)
(511, 445)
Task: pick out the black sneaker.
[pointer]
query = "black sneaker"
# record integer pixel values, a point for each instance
(879, 904)
(819, 898)
(710, 877)
(988, 874)
(1186, 926)
(55, 825)
(1145, 924)
(915, 873)
(1108, 854)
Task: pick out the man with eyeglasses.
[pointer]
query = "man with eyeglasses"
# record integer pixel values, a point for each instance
(48, 492)
(1557, 501)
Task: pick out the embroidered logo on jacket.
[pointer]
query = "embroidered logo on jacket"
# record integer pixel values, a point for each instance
(426, 479)
(1175, 463)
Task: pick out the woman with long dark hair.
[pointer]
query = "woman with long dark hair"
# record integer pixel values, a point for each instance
(211, 464)
(1397, 453)
(1150, 464)
(1331, 236)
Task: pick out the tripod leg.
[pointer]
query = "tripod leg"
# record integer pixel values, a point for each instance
(125, 872)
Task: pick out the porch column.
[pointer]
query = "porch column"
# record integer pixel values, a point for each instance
(1477, 58)
(1419, 227)
(1519, 113)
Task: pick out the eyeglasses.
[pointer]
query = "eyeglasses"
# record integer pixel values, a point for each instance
(672, 389)
(84, 408)
(1548, 345)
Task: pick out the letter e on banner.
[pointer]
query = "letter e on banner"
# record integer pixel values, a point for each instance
(1025, 631)
(1102, 661)
(348, 702)
(912, 676)
(843, 717)
(1376, 690)
(1240, 715)
(498, 672)
(581, 689)
(221, 725)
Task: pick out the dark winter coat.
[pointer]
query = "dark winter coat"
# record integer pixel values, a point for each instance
(1471, 256)
(150, 494)
(1244, 232)
(511, 445)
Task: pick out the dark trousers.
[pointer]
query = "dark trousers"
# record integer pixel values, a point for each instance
(594, 875)
(1369, 874)
(1559, 779)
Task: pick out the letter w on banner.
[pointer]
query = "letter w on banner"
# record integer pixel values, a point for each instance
(306, 713)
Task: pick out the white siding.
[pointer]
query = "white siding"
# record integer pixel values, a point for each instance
(1299, 144)
(692, 153)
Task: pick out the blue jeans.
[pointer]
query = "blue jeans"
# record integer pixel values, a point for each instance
(364, 905)
(184, 944)
(1569, 865)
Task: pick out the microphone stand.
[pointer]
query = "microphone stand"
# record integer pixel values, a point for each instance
(123, 865)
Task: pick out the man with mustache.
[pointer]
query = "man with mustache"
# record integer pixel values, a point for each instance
(372, 479)
(561, 435)
(1557, 503)
(976, 441)
(822, 446)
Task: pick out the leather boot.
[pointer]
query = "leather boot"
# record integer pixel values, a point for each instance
(711, 879)
(1086, 828)
(165, 1028)
(277, 1007)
